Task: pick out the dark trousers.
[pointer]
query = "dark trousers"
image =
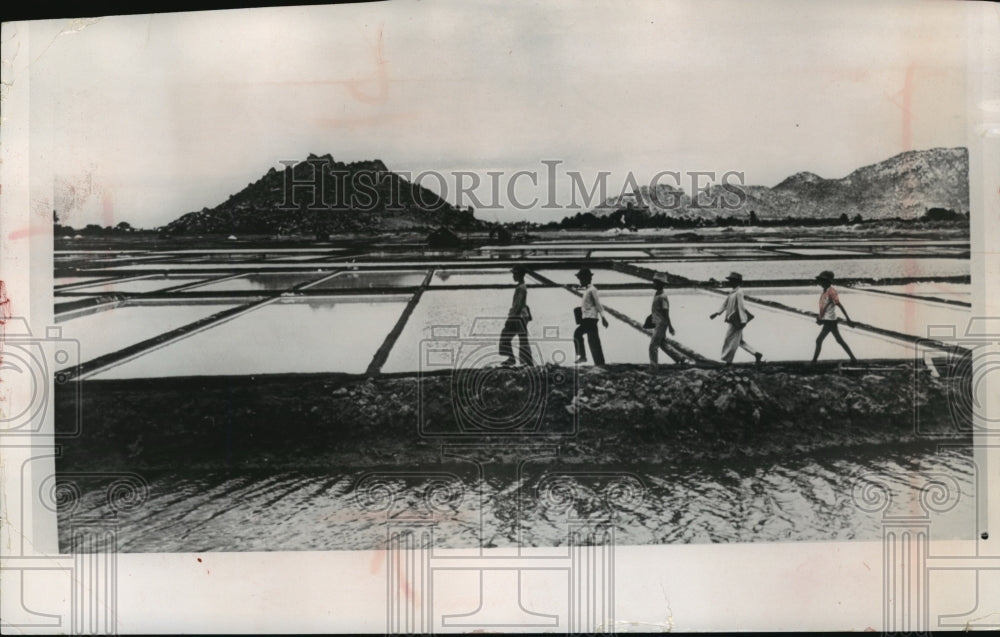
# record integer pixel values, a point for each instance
(588, 326)
(830, 327)
(516, 327)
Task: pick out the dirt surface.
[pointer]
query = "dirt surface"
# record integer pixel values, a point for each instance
(620, 414)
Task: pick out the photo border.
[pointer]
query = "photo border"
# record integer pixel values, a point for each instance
(808, 584)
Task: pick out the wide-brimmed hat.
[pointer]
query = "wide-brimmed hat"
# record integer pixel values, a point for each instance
(825, 275)
(584, 273)
(659, 278)
(735, 276)
(519, 269)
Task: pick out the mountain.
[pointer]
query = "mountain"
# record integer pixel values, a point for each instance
(324, 196)
(903, 186)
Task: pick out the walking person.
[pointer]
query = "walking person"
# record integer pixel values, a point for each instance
(660, 315)
(829, 301)
(736, 316)
(517, 323)
(590, 310)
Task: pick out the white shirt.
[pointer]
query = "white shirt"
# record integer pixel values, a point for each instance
(828, 301)
(734, 305)
(660, 307)
(591, 304)
(519, 306)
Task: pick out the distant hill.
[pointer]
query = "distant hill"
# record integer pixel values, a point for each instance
(903, 186)
(340, 198)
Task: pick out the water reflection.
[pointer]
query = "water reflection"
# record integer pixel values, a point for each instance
(804, 497)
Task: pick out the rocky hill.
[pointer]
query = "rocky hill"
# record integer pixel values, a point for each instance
(323, 196)
(904, 186)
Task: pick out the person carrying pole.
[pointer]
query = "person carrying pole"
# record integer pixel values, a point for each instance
(829, 301)
(517, 323)
(660, 315)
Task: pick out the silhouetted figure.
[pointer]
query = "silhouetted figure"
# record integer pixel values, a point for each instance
(737, 317)
(660, 314)
(590, 310)
(829, 301)
(517, 323)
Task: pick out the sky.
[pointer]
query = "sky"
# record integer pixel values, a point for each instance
(144, 118)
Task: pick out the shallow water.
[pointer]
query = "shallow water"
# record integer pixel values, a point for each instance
(807, 269)
(916, 251)
(808, 252)
(706, 252)
(238, 251)
(453, 328)
(71, 280)
(610, 244)
(109, 330)
(140, 285)
(779, 335)
(222, 266)
(735, 253)
(623, 254)
(290, 335)
(495, 276)
(793, 498)
(257, 282)
(301, 257)
(363, 280)
(104, 257)
(954, 291)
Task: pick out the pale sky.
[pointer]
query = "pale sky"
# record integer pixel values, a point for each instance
(150, 117)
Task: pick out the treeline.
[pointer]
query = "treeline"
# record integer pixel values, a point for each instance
(622, 219)
(91, 229)
(630, 218)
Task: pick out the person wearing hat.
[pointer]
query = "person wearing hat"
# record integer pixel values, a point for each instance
(829, 301)
(590, 310)
(517, 323)
(661, 321)
(737, 317)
